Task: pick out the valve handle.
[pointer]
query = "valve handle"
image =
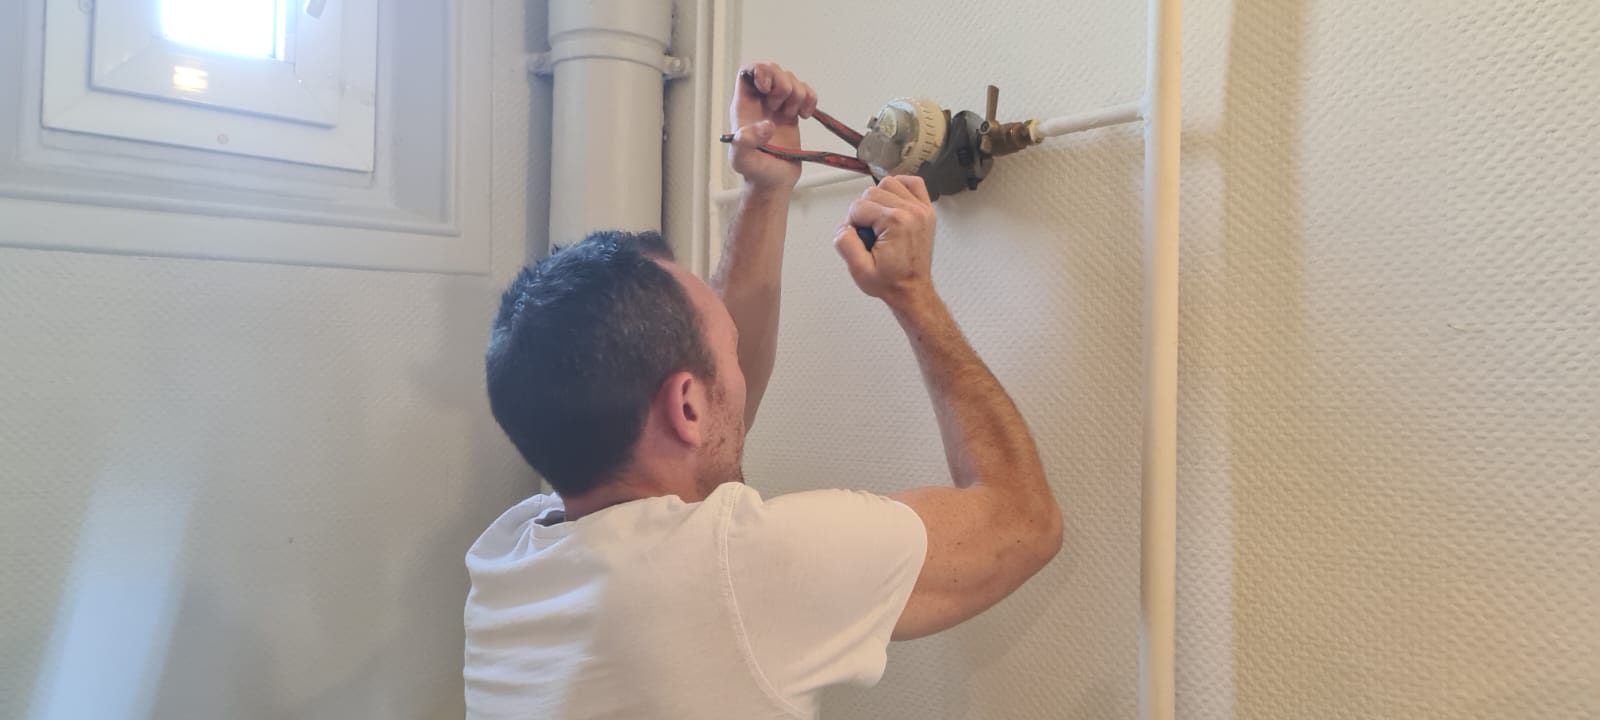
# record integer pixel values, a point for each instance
(985, 133)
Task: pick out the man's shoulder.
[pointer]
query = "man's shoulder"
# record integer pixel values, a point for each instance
(806, 518)
(818, 504)
(508, 530)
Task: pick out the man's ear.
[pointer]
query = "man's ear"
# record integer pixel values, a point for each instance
(683, 404)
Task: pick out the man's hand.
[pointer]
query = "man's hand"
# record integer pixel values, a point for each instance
(768, 110)
(898, 269)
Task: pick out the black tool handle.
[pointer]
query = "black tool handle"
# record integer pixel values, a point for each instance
(868, 236)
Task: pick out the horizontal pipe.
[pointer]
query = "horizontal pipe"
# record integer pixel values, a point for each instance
(812, 179)
(1107, 117)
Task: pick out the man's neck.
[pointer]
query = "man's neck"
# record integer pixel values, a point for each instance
(616, 493)
(589, 504)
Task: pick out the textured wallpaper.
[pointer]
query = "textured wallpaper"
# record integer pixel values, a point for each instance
(238, 490)
(1390, 470)
(1389, 461)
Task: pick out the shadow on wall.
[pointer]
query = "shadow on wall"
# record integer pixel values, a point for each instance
(1264, 288)
(383, 637)
(253, 559)
(1319, 465)
(1382, 561)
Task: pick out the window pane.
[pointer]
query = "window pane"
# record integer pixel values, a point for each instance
(252, 28)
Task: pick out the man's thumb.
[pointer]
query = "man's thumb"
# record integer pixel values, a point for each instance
(754, 135)
(855, 253)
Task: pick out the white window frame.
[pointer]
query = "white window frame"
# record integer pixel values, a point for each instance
(424, 205)
(316, 106)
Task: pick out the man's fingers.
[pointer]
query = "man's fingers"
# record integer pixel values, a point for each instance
(748, 83)
(761, 73)
(899, 186)
(754, 135)
(866, 213)
(777, 91)
(855, 254)
(797, 97)
(809, 107)
(886, 198)
(917, 187)
(782, 89)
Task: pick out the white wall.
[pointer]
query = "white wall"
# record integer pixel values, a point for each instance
(1389, 469)
(244, 490)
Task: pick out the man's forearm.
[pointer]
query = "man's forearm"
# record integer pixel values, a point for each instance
(985, 439)
(749, 279)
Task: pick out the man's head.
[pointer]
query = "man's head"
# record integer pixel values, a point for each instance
(610, 366)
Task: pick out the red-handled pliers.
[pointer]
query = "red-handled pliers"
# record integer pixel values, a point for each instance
(831, 159)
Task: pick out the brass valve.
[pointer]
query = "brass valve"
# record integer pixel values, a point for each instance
(998, 139)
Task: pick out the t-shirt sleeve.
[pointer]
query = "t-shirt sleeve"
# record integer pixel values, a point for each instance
(818, 580)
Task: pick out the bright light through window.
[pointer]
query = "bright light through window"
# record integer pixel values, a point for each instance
(252, 28)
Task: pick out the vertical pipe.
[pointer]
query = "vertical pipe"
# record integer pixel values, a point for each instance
(607, 119)
(717, 76)
(1158, 522)
(704, 70)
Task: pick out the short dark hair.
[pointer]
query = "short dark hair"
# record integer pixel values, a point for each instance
(583, 340)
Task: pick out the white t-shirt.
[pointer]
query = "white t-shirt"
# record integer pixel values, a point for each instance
(730, 608)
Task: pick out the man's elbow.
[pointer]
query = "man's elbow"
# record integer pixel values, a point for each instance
(1040, 529)
(1049, 535)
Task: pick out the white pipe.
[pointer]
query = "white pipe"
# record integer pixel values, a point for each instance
(811, 179)
(605, 164)
(717, 158)
(704, 69)
(1068, 124)
(1158, 546)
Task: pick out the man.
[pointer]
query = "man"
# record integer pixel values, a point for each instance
(655, 583)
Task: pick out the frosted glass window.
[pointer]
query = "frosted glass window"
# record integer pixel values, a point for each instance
(288, 80)
(249, 28)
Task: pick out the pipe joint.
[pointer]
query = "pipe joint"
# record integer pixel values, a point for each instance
(671, 67)
(626, 30)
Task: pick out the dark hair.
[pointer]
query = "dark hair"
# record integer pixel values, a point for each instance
(583, 340)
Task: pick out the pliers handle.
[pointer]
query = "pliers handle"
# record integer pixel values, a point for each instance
(831, 159)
